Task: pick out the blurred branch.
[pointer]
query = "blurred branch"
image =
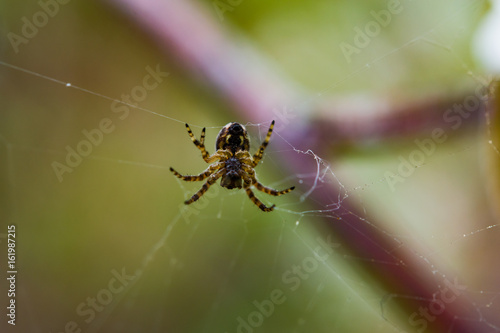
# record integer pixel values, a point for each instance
(254, 88)
(186, 30)
(358, 118)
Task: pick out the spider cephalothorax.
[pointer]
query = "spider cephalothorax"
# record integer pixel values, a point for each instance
(235, 165)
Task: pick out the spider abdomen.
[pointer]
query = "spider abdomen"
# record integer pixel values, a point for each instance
(231, 178)
(233, 137)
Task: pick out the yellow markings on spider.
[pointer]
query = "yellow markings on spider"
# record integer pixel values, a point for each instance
(232, 163)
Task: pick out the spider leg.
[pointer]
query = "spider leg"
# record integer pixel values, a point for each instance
(244, 157)
(219, 155)
(271, 191)
(249, 177)
(257, 202)
(258, 155)
(202, 137)
(193, 178)
(211, 180)
(200, 144)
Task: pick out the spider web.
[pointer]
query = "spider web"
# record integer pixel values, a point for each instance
(116, 250)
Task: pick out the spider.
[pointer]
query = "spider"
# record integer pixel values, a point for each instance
(232, 163)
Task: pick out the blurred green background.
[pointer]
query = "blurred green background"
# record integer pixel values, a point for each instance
(200, 268)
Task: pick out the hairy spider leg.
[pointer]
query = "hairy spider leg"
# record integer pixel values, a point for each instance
(258, 155)
(211, 180)
(200, 144)
(245, 158)
(202, 137)
(271, 191)
(257, 202)
(193, 178)
(247, 178)
(251, 175)
(222, 155)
